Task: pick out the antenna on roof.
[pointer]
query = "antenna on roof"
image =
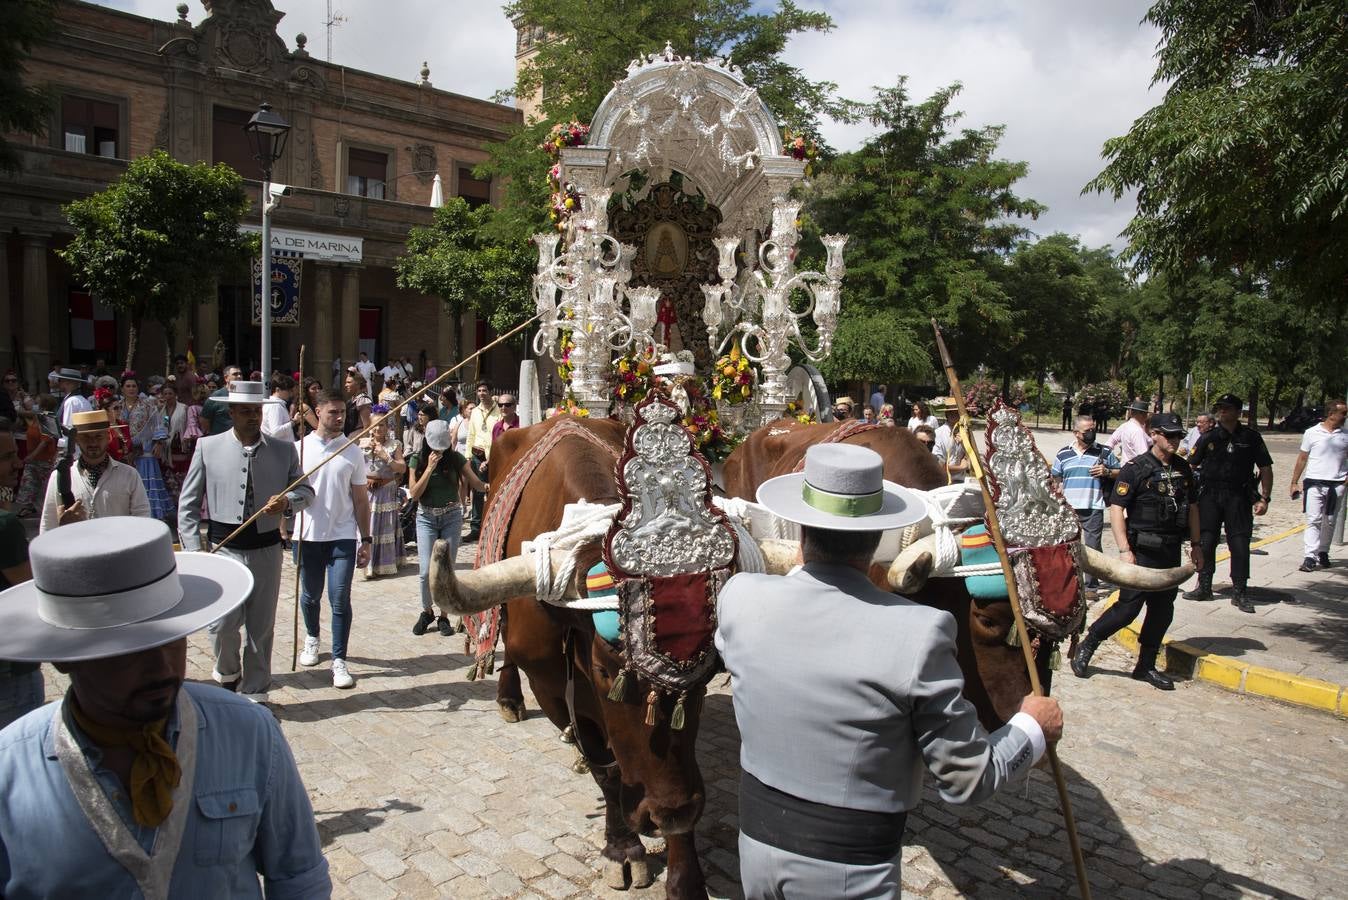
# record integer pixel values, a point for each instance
(333, 20)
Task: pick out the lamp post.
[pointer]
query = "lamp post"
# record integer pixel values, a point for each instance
(267, 133)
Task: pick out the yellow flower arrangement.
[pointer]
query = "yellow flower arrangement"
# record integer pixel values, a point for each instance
(733, 378)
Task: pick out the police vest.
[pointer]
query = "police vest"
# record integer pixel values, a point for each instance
(1162, 501)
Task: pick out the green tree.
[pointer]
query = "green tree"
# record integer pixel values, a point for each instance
(1245, 162)
(455, 259)
(590, 44)
(154, 242)
(930, 213)
(22, 108)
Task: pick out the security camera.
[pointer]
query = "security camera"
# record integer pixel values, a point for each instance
(278, 191)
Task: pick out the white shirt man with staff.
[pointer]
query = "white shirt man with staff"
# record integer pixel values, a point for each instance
(240, 472)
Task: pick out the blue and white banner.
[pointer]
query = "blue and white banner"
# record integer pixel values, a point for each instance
(284, 290)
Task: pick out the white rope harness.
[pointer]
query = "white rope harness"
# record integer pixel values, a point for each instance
(941, 502)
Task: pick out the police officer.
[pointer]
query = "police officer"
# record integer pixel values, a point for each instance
(1153, 509)
(1225, 459)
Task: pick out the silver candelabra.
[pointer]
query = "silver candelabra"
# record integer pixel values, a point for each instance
(581, 288)
(765, 309)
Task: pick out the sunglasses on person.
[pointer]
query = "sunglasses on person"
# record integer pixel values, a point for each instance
(11, 380)
(507, 404)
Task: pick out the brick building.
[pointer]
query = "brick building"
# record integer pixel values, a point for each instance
(361, 158)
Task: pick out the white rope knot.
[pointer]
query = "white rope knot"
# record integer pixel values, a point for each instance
(582, 524)
(940, 502)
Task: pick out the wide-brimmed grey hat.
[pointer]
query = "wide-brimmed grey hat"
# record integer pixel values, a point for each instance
(113, 586)
(437, 434)
(842, 489)
(249, 392)
(71, 375)
(1139, 406)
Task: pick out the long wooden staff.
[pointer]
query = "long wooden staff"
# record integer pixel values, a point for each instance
(995, 529)
(299, 527)
(355, 436)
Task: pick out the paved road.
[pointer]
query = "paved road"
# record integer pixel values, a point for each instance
(420, 790)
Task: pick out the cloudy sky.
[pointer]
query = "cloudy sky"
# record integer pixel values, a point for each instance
(1061, 75)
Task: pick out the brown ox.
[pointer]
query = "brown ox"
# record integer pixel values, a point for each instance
(652, 777)
(995, 679)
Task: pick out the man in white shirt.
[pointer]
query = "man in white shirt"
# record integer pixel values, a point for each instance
(70, 381)
(1202, 425)
(277, 420)
(100, 486)
(1130, 440)
(480, 426)
(390, 372)
(949, 449)
(1323, 461)
(330, 529)
(366, 368)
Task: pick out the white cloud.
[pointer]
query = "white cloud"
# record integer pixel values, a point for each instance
(1062, 76)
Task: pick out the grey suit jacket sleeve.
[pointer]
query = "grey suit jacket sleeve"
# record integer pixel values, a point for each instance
(969, 764)
(189, 502)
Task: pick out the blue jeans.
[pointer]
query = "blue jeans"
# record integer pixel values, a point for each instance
(1092, 528)
(336, 560)
(447, 525)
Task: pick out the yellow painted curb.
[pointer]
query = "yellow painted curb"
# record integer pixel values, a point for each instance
(1237, 676)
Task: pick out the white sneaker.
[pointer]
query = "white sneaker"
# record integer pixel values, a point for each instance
(309, 655)
(341, 678)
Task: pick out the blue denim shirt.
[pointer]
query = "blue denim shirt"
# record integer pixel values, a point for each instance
(251, 815)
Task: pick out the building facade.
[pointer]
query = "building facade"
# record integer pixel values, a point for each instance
(361, 159)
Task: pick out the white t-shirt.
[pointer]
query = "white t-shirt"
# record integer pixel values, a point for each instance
(929, 420)
(1327, 453)
(461, 444)
(391, 371)
(332, 515)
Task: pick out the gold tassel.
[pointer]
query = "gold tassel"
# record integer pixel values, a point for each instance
(651, 699)
(1013, 637)
(619, 689)
(676, 718)
(472, 672)
(1055, 658)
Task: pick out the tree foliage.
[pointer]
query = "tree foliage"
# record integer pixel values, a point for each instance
(23, 108)
(455, 259)
(154, 242)
(1245, 162)
(589, 46)
(930, 212)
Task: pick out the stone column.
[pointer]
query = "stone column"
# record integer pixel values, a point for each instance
(348, 337)
(37, 348)
(320, 356)
(7, 359)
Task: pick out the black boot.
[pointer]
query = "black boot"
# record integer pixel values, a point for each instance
(1145, 670)
(1240, 599)
(1081, 660)
(1203, 591)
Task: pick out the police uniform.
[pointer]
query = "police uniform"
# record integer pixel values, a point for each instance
(1157, 497)
(1227, 464)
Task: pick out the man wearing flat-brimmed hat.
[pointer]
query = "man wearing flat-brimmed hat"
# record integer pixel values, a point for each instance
(135, 783)
(831, 770)
(949, 449)
(239, 473)
(100, 485)
(1235, 484)
(70, 382)
(1131, 440)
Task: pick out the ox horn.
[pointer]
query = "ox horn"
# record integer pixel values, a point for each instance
(1127, 575)
(909, 571)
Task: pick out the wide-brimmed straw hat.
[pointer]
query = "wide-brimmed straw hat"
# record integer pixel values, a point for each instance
(112, 586)
(93, 420)
(842, 489)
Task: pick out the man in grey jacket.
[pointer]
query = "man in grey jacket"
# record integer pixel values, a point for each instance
(239, 472)
(831, 769)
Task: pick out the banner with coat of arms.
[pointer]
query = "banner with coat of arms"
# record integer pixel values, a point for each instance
(285, 288)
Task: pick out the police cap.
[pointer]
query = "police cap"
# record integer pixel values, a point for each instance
(1230, 400)
(1167, 423)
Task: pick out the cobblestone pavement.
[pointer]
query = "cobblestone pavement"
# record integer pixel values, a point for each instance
(420, 790)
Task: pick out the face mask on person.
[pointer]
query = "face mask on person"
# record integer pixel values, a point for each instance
(1088, 437)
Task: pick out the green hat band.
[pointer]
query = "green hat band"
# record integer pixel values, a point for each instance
(850, 505)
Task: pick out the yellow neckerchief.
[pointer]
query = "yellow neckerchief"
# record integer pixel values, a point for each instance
(154, 772)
